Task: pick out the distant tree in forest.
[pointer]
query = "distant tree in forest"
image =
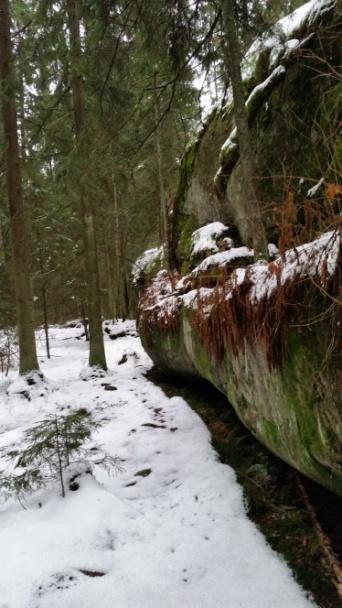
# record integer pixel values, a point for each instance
(97, 355)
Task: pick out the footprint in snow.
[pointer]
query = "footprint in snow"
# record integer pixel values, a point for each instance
(60, 581)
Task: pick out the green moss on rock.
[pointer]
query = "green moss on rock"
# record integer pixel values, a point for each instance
(286, 407)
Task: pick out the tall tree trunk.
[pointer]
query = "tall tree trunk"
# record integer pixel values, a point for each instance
(44, 298)
(111, 280)
(2, 244)
(255, 229)
(120, 271)
(96, 347)
(45, 320)
(164, 224)
(117, 247)
(125, 297)
(19, 237)
(112, 262)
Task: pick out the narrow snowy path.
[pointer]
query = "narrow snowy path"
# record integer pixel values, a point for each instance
(170, 531)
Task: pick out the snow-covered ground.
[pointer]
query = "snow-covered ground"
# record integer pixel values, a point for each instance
(175, 536)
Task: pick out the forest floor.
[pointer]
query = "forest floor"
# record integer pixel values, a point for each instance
(170, 530)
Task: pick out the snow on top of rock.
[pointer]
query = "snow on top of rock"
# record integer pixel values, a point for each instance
(282, 50)
(161, 296)
(311, 257)
(274, 76)
(204, 239)
(181, 284)
(285, 28)
(317, 260)
(224, 257)
(307, 13)
(230, 143)
(272, 250)
(190, 299)
(285, 36)
(309, 260)
(145, 261)
(277, 73)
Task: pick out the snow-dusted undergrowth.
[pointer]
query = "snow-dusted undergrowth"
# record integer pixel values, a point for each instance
(317, 260)
(170, 531)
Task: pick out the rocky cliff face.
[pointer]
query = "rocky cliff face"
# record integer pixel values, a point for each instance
(293, 101)
(265, 334)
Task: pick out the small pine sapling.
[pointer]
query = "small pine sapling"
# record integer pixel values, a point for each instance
(51, 446)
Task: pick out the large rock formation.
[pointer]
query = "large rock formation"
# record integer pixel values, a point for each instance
(265, 334)
(293, 100)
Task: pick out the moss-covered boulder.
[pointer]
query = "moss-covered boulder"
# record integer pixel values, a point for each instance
(293, 103)
(267, 335)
